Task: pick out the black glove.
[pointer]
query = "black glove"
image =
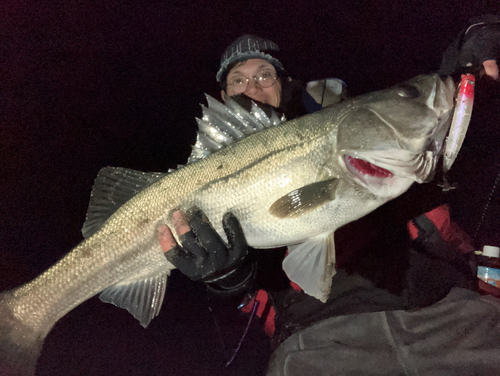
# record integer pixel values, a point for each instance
(205, 257)
(479, 42)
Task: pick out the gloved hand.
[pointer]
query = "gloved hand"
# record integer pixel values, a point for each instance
(476, 49)
(203, 255)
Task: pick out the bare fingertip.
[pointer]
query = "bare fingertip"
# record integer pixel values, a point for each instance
(491, 68)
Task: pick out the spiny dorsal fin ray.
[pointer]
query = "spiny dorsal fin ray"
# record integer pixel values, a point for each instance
(305, 199)
(222, 124)
(239, 115)
(230, 114)
(113, 187)
(207, 142)
(259, 113)
(214, 132)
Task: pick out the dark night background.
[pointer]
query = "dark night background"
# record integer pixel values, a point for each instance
(88, 84)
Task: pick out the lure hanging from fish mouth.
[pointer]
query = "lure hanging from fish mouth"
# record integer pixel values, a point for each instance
(459, 125)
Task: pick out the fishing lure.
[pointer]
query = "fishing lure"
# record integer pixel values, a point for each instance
(460, 121)
(459, 126)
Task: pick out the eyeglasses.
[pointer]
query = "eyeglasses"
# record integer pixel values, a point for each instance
(264, 79)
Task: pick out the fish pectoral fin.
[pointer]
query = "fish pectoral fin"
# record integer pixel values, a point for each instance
(142, 297)
(305, 199)
(311, 265)
(113, 187)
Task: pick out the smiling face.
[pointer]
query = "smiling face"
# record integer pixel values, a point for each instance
(248, 70)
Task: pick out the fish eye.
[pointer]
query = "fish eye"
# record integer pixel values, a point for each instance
(408, 91)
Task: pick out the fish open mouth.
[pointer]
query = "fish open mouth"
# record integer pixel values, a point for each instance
(366, 168)
(378, 180)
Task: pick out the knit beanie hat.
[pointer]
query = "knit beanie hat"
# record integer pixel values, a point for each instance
(245, 48)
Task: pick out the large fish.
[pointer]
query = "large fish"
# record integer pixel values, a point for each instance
(293, 184)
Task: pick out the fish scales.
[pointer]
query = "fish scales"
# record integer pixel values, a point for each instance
(281, 168)
(142, 214)
(294, 184)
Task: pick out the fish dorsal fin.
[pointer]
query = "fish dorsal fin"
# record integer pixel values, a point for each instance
(311, 265)
(113, 187)
(305, 199)
(142, 295)
(222, 124)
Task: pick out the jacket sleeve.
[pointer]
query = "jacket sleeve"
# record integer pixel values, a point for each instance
(239, 282)
(473, 45)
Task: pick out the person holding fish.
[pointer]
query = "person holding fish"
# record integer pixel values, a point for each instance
(403, 299)
(427, 267)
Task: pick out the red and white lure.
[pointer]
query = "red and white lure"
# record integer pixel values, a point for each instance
(460, 121)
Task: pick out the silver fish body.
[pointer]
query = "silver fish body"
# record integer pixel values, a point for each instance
(292, 185)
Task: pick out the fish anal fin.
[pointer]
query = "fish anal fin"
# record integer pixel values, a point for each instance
(142, 297)
(305, 199)
(311, 265)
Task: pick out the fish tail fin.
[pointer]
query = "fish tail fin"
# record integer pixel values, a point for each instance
(20, 346)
